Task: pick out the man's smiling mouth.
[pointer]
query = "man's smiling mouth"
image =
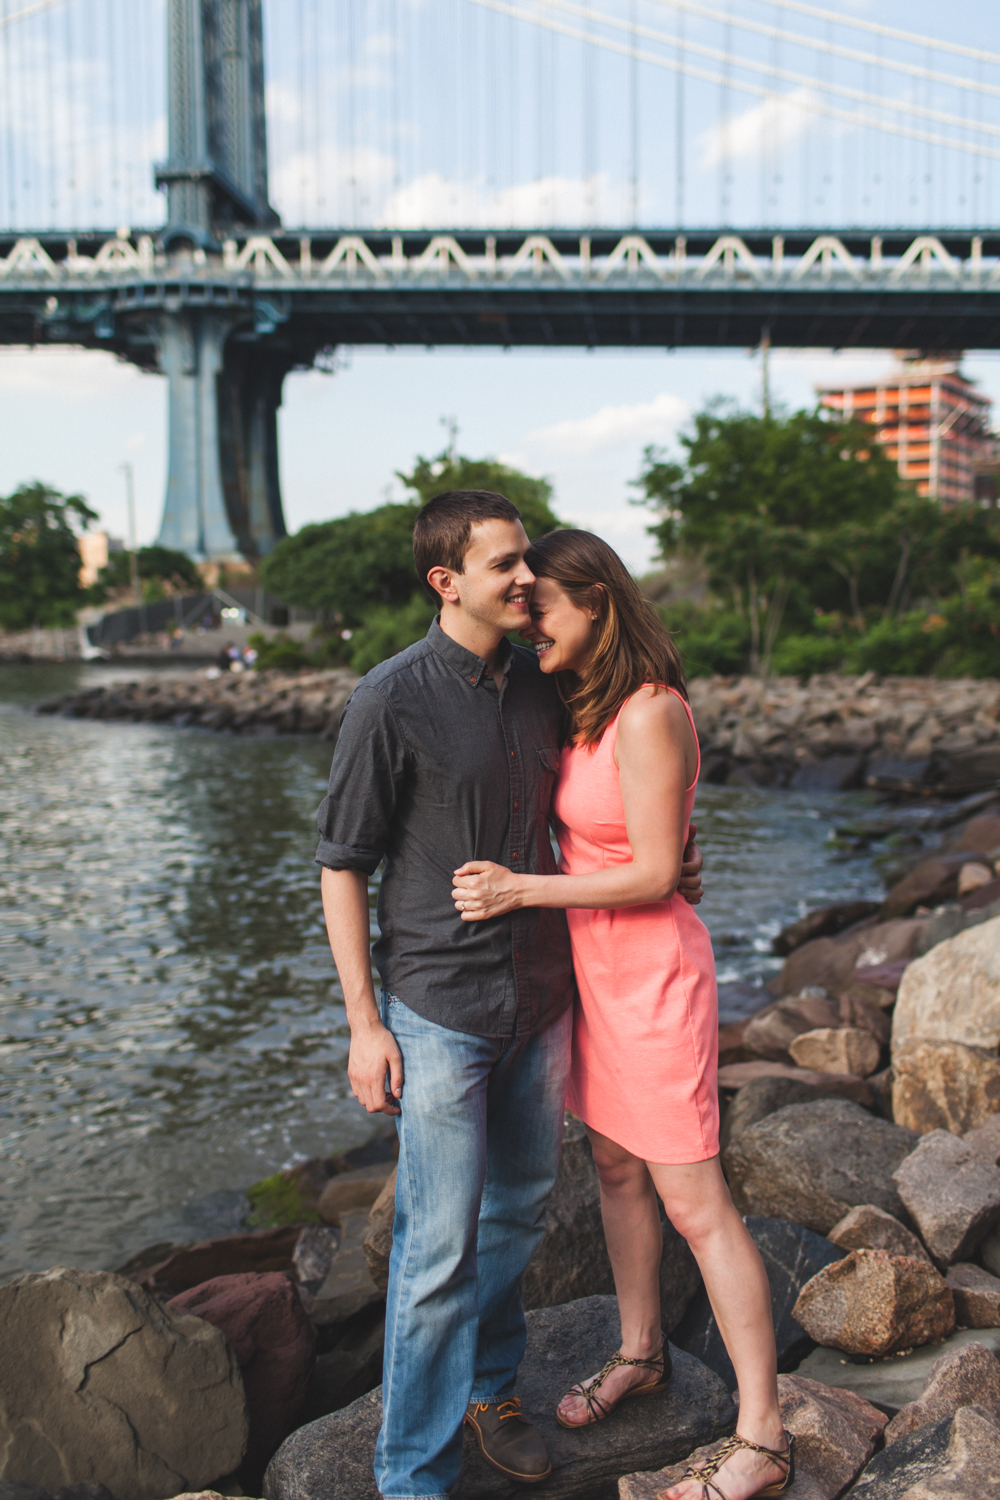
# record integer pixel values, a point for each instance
(519, 598)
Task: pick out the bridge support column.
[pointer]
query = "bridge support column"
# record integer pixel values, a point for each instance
(223, 490)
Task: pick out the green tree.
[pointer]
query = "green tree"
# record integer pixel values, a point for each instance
(157, 566)
(39, 556)
(450, 471)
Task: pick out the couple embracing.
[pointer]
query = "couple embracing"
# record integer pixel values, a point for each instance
(513, 987)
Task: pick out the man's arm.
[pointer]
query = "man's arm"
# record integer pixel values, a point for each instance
(690, 886)
(374, 1052)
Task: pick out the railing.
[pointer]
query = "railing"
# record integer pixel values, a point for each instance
(292, 261)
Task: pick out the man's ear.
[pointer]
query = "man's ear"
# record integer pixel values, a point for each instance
(442, 581)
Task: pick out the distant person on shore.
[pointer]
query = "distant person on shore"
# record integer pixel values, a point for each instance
(645, 1041)
(449, 752)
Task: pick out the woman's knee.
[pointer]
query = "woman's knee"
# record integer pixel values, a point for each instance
(618, 1170)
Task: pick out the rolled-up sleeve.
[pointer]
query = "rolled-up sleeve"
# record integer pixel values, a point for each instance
(366, 780)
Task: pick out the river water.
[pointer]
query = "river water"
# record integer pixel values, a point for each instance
(171, 1026)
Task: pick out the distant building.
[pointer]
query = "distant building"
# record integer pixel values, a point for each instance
(933, 421)
(95, 549)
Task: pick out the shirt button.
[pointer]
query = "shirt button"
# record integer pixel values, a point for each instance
(512, 755)
(473, 681)
(516, 855)
(517, 955)
(517, 804)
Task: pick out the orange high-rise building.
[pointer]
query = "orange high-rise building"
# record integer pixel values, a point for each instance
(931, 420)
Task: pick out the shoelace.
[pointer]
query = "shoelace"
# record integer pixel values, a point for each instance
(505, 1409)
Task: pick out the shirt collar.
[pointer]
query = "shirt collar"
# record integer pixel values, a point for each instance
(470, 666)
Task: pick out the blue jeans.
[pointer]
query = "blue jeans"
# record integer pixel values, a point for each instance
(479, 1138)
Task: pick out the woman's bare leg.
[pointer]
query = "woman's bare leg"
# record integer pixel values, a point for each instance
(698, 1204)
(635, 1244)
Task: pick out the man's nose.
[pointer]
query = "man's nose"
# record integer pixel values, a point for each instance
(525, 577)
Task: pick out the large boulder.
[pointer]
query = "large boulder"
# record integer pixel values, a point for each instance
(873, 1303)
(358, 1188)
(98, 1382)
(348, 1288)
(969, 1376)
(826, 921)
(762, 1097)
(835, 1434)
(572, 1260)
(772, 1031)
(842, 1049)
(830, 961)
(811, 1163)
(932, 881)
(791, 1255)
(332, 1459)
(952, 994)
(957, 1458)
(266, 1325)
(837, 1085)
(265, 1250)
(868, 1228)
(952, 1193)
(976, 1294)
(938, 1085)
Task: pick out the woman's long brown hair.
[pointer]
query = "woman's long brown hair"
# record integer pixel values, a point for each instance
(633, 646)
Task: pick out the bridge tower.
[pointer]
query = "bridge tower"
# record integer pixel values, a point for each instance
(223, 500)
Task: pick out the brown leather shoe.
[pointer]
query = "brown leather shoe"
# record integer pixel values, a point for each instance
(508, 1441)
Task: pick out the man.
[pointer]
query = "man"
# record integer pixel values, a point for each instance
(449, 752)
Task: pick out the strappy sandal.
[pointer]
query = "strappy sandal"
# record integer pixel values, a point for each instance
(597, 1409)
(705, 1473)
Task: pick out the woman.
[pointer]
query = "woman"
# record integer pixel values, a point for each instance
(645, 1044)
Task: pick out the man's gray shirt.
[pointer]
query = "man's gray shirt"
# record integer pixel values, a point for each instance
(439, 762)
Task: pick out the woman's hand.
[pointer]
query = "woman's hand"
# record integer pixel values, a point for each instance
(483, 890)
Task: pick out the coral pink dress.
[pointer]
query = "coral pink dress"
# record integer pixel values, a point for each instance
(646, 1030)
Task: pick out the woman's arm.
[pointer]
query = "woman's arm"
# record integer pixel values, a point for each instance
(656, 758)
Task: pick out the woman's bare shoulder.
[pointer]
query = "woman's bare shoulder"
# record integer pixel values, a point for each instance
(652, 708)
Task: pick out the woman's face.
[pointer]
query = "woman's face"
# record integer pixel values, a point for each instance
(561, 632)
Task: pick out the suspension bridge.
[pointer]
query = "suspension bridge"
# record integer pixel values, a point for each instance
(384, 118)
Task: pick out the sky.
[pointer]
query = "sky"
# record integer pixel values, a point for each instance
(361, 129)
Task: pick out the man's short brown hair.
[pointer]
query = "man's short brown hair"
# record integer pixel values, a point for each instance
(443, 529)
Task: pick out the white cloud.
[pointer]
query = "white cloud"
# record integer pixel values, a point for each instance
(433, 199)
(61, 374)
(613, 427)
(766, 126)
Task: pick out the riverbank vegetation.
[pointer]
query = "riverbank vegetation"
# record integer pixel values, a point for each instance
(39, 556)
(791, 546)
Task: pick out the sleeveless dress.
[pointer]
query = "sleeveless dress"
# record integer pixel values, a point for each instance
(646, 1028)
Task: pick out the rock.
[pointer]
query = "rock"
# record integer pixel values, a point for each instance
(828, 921)
(881, 1087)
(943, 1085)
(349, 1370)
(99, 1382)
(760, 1098)
(970, 769)
(952, 1194)
(972, 876)
(877, 984)
(266, 1325)
(985, 1139)
(572, 1260)
(228, 1255)
(292, 1196)
(772, 1031)
(830, 1085)
(977, 1296)
(891, 1383)
(969, 1376)
(955, 1459)
(932, 881)
(731, 1040)
(830, 962)
(949, 920)
(835, 1435)
(350, 1190)
(810, 1163)
(837, 773)
(378, 1234)
(332, 1459)
(979, 836)
(873, 1303)
(952, 994)
(869, 1228)
(989, 1250)
(791, 1256)
(348, 1287)
(313, 1255)
(844, 1050)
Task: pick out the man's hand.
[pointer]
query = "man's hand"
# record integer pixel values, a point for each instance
(690, 886)
(482, 890)
(373, 1054)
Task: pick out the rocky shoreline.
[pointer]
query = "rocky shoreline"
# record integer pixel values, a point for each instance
(905, 735)
(860, 1137)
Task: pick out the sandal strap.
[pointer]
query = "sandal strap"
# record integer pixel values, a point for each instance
(784, 1457)
(704, 1474)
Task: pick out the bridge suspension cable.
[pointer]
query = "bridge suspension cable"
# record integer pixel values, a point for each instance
(659, 60)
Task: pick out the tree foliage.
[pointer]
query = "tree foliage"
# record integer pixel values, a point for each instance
(39, 556)
(161, 570)
(808, 536)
